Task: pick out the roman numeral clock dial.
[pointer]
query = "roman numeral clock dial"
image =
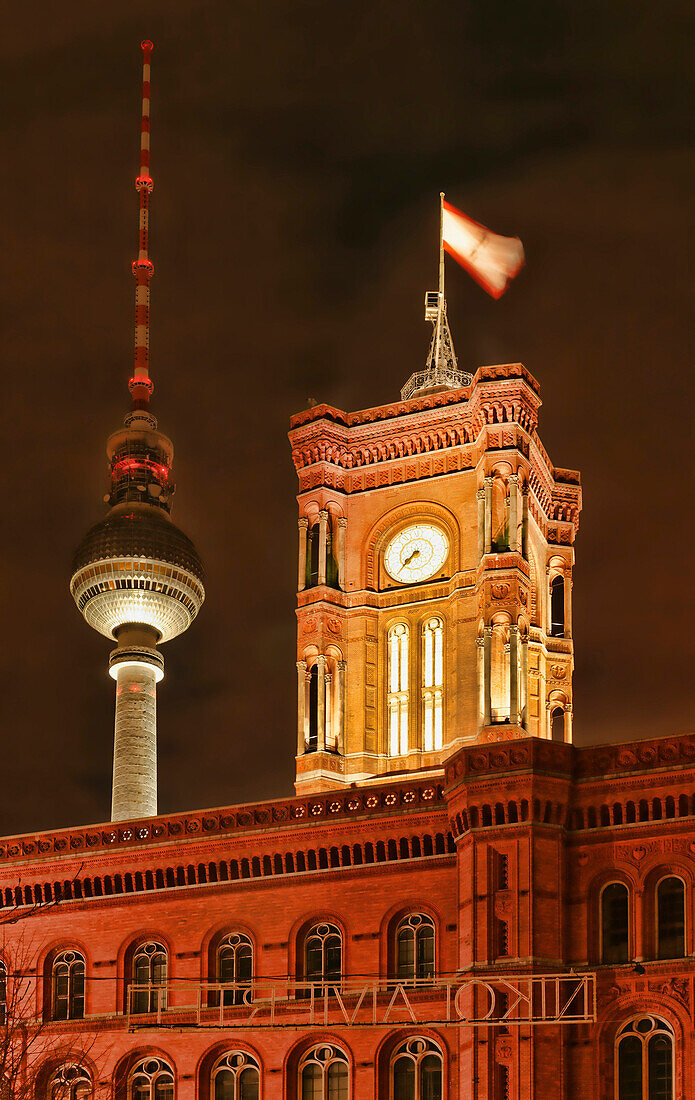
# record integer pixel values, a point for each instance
(416, 553)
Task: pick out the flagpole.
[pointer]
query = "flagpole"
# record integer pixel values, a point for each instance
(440, 302)
(441, 245)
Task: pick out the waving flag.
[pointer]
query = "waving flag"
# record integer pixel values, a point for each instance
(492, 261)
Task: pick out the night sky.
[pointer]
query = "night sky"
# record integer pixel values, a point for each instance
(298, 149)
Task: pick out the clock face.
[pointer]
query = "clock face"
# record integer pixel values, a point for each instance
(417, 553)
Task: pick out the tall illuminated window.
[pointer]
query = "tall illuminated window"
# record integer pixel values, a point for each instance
(432, 684)
(398, 694)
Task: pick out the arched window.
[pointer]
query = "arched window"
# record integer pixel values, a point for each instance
(151, 1079)
(235, 967)
(312, 556)
(615, 932)
(557, 724)
(3, 994)
(398, 694)
(644, 1060)
(557, 606)
(149, 978)
(415, 947)
(70, 1082)
(313, 708)
(324, 1074)
(323, 954)
(416, 1071)
(235, 1076)
(68, 986)
(432, 684)
(670, 918)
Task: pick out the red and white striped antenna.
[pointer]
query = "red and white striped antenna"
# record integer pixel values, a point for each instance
(141, 385)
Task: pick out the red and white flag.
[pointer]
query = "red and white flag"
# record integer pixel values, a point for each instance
(492, 261)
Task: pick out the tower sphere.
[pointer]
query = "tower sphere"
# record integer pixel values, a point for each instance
(136, 567)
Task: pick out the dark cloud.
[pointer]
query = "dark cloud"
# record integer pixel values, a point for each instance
(298, 150)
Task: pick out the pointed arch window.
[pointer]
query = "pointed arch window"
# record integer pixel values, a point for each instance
(324, 1074)
(432, 684)
(235, 968)
(416, 1071)
(236, 1076)
(149, 978)
(151, 1079)
(670, 918)
(644, 1060)
(70, 1082)
(615, 928)
(415, 947)
(68, 986)
(398, 700)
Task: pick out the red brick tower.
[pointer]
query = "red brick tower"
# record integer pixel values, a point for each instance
(436, 546)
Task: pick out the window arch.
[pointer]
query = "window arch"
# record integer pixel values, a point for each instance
(324, 1074)
(323, 953)
(615, 927)
(70, 1082)
(149, 977)
(67, 986)
(557, 606)
(644, 1060)
(151, 1079)
(670, 918)
(432, 683)
(415, 946)
(398, 699)
(416, 1071)
(235, 1076)
(234, 966)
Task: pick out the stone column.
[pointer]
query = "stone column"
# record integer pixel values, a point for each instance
(480, 497)
(524, 522)
(568, 603)
(303, 524)
(514, 674)
(301, 707)
(321, 704)
(340, 703)
(548, 719)
(323, 530)
(480, 665)
(568, 723)
(513, 512)
(341, 551)
(136, 671)
(524, 682)
(487, 677)
(488, 514)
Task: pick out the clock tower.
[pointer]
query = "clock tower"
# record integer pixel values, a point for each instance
(436, 546)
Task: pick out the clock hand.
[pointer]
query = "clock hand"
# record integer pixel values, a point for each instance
(407, 561)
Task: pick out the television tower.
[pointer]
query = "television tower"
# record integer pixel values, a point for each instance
(136, 577)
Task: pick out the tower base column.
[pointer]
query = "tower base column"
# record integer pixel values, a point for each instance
(136, 672)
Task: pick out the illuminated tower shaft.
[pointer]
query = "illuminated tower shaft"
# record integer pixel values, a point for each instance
(136, 577)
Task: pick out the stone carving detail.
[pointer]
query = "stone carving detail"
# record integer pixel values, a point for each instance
(500, 590)
(558, 672)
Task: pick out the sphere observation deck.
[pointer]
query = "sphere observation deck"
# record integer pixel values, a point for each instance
(137, 567)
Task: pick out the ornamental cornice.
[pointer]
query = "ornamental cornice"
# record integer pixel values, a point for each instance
(331, 805)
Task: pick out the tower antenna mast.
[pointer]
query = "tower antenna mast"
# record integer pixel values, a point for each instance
(141, 385)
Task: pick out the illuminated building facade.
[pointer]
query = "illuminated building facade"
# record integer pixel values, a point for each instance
(457, 903)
